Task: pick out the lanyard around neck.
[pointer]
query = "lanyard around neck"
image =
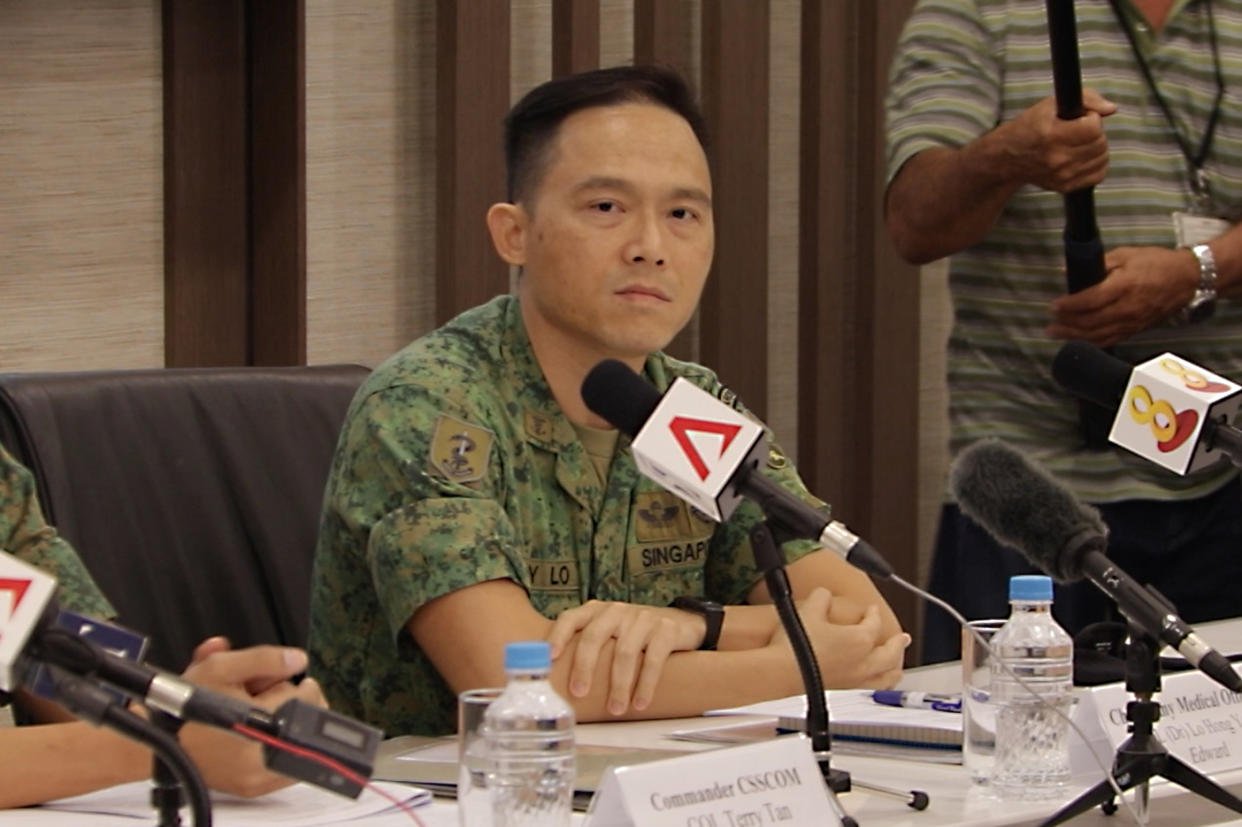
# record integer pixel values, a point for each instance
(1197, 157)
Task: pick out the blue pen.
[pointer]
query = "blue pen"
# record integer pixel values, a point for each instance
(918, 700)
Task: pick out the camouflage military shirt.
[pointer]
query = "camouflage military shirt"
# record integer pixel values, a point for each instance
(24, 534)
(456, 466)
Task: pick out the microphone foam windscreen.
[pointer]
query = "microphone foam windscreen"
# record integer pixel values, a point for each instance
(619, 395)
(1023, 507)
(1091, 374)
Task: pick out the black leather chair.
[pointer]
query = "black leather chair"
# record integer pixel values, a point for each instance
(192, 494)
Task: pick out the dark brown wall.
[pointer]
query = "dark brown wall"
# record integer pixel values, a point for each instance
(234, 182)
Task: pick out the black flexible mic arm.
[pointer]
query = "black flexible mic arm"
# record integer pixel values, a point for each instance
(769, 560)
(800, 520)
(91, 702)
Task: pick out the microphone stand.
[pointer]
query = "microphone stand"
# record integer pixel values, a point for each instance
(772, 564)
(93, 703)
(166, 795)
(1084, 251)
(1142, 756)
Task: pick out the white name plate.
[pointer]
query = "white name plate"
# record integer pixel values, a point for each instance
(1200, 720)
(770, 782)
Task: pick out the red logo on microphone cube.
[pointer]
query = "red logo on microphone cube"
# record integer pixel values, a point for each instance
(24, 593)
(692, 444)
(12, 590)
(1162, 414)
(683, 426)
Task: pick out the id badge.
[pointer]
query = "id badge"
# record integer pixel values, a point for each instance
(1192, 229)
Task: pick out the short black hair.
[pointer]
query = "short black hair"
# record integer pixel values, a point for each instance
(532, 123)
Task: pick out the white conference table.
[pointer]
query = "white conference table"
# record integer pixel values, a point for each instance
(953, 800)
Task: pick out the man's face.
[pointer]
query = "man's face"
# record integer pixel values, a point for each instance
(618, 234)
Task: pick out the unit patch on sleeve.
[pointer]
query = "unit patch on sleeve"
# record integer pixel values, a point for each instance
(460, 451)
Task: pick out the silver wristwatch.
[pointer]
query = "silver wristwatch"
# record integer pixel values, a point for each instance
(1203, 303)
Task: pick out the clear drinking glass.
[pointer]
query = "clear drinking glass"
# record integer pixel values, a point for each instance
(474, 807)
(978, 710)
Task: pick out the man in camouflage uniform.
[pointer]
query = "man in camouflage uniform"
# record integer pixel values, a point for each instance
(40, 763)
(474, 499)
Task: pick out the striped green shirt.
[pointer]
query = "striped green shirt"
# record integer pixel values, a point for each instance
(964, 66)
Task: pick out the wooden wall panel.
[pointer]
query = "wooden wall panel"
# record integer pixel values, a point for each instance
(662, 34)
(858, 364)
(472, 96)
(575, 36)
(277, 42)
(234, 173)
(830, 423)
(733, 313)
(206, 140)
(784, 177)
(894, 410)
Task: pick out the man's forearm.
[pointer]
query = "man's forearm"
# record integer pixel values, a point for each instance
(944, 200)
(691, 683)
(49, 761)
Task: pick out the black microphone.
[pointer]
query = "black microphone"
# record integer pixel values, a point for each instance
(322, 731)
(1023, 507)
(632, 405)
(1100, 378)
(1092, 374)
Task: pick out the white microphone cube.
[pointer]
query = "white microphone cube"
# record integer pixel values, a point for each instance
(692, 444)
(1166, 404)
(25, 592)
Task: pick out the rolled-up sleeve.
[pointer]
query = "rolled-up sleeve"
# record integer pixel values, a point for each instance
(944, 85)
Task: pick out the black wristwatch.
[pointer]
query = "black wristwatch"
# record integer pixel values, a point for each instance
(713, 613)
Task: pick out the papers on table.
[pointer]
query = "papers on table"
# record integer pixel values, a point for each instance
(300, 804)
(858, 725)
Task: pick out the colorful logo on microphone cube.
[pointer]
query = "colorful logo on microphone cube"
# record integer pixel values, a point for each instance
(24, 592)
(692, 444)
(1164, 409)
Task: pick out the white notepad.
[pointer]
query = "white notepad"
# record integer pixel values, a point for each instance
(854, 716)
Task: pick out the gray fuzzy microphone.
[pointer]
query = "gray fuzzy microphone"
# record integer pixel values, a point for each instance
(1023, 507)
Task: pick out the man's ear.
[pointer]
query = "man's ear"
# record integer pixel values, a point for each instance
(508, 224)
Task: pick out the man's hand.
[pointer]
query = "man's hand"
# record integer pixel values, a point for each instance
(945, 199)
(1054, 154)
(258, 675)
(1144, 286)
(850, 656)
(645, 635)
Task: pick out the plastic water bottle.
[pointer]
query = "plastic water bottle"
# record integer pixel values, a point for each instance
(1032, 741)
(529, 731)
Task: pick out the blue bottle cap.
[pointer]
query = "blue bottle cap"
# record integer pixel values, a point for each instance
(1030, 587)
(528, 656)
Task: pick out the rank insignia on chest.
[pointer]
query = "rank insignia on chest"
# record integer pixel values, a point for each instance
(659, 515)
(460, 451)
